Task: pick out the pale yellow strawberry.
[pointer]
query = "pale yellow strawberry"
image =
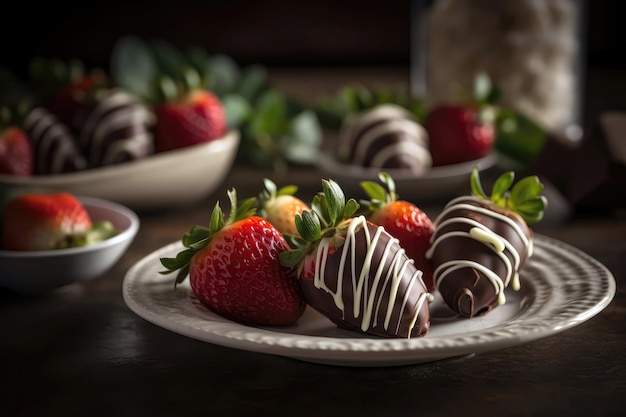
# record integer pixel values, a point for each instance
(280, 207)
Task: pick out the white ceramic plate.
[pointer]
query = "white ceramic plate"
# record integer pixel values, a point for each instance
(164, 180)
(436, 183)
(561, 288)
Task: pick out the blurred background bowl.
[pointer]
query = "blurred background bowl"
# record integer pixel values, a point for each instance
(32, 272)
(438, 183)
(160, 181)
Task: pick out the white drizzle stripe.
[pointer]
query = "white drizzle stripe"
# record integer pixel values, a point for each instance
(44, 130)
(360, 289)
(355, 122)
(454, 205)
(450, 266)
(421, 156)
(414, 131)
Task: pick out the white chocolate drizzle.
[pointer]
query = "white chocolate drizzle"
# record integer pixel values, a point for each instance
(367, 291)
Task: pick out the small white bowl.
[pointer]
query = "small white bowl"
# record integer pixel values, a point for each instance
(32, 272)
(437, 183)
(160, 181)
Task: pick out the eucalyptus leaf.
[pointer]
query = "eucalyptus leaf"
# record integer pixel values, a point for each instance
(133, 67)
(306, 129)
(224, 72)
(237, 110)
(169, 60)
(269, 117)
(253, 81)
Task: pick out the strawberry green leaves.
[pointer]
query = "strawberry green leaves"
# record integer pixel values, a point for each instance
(199, 236)
(524, 198)
(378, 195)
(329, 210)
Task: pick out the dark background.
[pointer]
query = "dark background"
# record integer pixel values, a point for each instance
(269, 32)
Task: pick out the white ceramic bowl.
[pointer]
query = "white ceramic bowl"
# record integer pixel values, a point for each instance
(160, 181)
(437, 183)
(39, 271)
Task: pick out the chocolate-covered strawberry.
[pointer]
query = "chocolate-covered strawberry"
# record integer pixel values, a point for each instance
(481, 242)
(354, 272)
(54, 147)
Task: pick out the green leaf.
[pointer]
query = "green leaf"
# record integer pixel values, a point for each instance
(502, 185)
(269, 117)
(308, 225)
(168, 59)
(304, 138)
(351, 207)
(525, 189)
(291, 258)
(195, 236)
(225, 73)
(374, 190)
(237, 110)
(217, 219)
(476, 186)
(482, 87)
(287, 190)
(335, 199)
(253, 81)
(199, 58)
(518, 137)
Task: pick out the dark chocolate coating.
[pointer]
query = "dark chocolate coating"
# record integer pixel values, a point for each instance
(54, 147)
(360, 128)
(105, 125)
(466, 290)
(324, 303)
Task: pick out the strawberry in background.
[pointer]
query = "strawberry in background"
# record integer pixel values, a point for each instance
(64, 86)
(16, 152)
(187, 119)
(403, 220)
(463, 131)
(35, 222)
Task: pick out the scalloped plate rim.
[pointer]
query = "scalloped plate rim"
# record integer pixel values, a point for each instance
(363, 350)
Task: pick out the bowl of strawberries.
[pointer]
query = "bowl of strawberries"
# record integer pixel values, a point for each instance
(51, 240)
(90, 136)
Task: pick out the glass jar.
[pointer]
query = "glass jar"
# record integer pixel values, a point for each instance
(533, 50)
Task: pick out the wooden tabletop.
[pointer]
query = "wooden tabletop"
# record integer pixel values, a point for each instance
(81, 351)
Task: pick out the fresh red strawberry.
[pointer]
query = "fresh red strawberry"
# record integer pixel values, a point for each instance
(280, 207)
(354, 272)
(457, 134)
(63, 86)
(33, 222)
(16, 152)
(69, 103)
(197, 117)
(234, 268)
(403, 220)
(481, 242)
(463, 131)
